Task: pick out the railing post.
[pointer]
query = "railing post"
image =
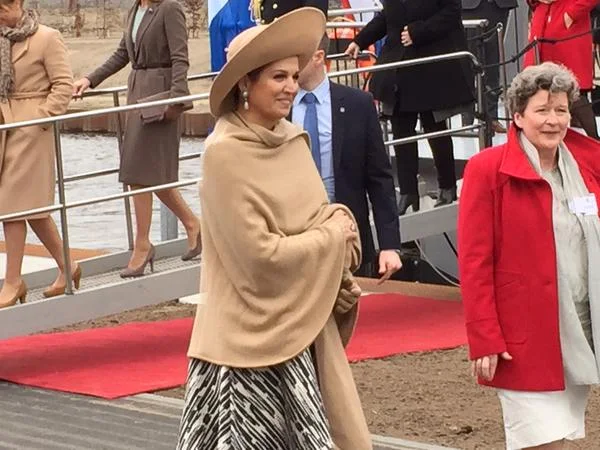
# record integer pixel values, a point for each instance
(485, 132)
(128, 221)
(503, 75)
(168, 224)
(516, 16)
(482, 131)
(64, 227)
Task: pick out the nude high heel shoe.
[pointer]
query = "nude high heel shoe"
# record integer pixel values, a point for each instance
(54, 291)
(139, 271)
(191, 254)
(21, 296)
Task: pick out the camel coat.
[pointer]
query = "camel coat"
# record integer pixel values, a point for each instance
(159, 58)
(43, 88)
(272, 265)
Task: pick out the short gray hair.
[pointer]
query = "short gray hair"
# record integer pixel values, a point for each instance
(548, 77)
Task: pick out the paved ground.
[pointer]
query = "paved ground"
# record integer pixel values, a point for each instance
(34, 419)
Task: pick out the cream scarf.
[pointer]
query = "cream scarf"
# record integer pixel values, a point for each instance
(574, 187)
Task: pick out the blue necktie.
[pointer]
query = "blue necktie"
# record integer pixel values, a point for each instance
(311, 125)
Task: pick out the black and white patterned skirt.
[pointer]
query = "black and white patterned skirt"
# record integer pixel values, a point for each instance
(273, 408)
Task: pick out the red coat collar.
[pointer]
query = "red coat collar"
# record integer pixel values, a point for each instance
(585, 150)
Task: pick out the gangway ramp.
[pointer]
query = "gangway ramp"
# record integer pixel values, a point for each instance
(427, 223)
(102, 291)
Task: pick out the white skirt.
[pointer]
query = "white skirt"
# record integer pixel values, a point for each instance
(536, 418)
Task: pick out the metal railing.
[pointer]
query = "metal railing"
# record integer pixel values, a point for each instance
(115, 91)
(471, 23)
(119, 89)
(353, 11)
(63, 206)
(467, 24)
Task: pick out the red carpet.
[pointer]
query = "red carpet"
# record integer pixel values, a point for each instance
(144, 357)
(389, 324)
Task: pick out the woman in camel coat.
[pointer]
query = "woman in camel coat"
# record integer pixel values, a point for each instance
(37, 83)
(268, 368)
(155, 43)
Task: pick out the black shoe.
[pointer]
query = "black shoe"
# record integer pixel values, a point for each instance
(407, 200)
(445, 197)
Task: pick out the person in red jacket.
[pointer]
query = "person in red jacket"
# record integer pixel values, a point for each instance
(560, 19)
(529, 248)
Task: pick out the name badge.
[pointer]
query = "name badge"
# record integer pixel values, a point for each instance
(584, 206)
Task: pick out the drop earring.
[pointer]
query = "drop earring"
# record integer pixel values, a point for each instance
(245, 97)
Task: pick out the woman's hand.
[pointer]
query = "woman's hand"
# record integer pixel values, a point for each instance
(349, 293)
(172, 112)
(346, 224)
(485, 367)
(405, 37)
(80, 86)
(352, 50)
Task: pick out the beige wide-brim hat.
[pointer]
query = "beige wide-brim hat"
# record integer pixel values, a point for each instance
(296, 33)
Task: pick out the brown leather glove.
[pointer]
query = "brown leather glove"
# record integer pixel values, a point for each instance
(348, 295)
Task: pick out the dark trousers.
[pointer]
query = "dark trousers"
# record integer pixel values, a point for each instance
(582, 115)
(407, 155)
(494, 15)
(367, 270)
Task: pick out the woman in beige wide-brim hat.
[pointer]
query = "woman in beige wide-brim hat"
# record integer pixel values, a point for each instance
(268, 369)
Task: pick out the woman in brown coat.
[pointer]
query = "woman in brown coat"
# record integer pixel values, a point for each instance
(155, 43)
(35, 82)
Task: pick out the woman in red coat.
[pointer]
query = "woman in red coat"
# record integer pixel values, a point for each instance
(529, 238)
(559, 19)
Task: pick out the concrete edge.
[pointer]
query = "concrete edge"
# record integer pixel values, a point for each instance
(392, 443)
(388, 442)
(158, 399)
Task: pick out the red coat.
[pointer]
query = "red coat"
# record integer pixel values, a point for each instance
(507, 261)
(576, 54)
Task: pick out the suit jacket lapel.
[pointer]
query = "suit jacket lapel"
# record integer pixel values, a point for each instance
(337, 124)
(19, 49)
(129, 27)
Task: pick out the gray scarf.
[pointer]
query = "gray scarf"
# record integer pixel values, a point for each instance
(26, 27)
(580, 362)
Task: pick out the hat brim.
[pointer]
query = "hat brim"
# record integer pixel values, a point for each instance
(297, 33)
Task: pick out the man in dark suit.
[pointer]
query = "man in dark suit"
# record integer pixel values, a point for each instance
(271, 9)
(348, 148)
(495, 11)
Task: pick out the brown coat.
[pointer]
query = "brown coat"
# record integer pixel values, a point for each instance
(159, 59)
(43, 88)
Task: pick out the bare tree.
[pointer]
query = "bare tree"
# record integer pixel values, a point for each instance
(106, 14)
(194, 10)
(79, 20)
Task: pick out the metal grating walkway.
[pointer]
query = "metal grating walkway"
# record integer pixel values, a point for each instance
(103, 291)
(112, 278)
